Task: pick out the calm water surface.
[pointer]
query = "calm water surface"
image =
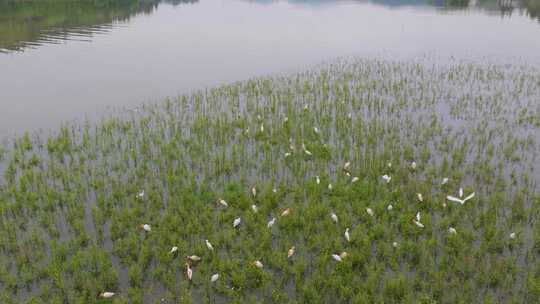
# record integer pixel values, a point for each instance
(62, 62)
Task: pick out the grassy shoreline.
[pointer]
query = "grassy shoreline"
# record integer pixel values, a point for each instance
(71, 205)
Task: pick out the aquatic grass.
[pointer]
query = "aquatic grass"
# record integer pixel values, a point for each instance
(71, 201)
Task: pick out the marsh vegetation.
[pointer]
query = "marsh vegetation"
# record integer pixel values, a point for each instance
(339, 177)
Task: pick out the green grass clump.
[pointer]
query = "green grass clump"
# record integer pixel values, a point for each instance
(71, 202)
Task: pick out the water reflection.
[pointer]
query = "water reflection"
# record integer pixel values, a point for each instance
(31, 23)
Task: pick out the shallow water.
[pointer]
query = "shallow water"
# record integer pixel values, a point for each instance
(63, 63)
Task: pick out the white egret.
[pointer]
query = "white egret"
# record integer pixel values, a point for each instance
(194, 258)
(141, 194)
(420, 197)
(413, 165)
(189, 272)
(444, 181)
(209, 245)
(458, 200)
(290, 253)
(173, 250)
(214, 277)
(317, 179)
(237, 222)
(395, 244)
(336, 257)
(107, 294)
(513, 235)
(271, 222)
(258, 264)
(146, 227)
(330, 187)
(316, 130)
(347, 235)
(369, 211)
(287, 154)
(386, 178)
(286, 212)
(334, 217)
(355, 179)
(254, 191)
(452, 230)
(389, 165)
(417, 223)
(418, 216)
(347, 166)
(254, 208)
(262, 127)
(223, 203)
(390, 207)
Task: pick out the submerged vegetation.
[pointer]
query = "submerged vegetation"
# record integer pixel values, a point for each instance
(349, 183)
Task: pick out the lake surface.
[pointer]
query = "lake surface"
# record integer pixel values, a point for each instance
(65, 61)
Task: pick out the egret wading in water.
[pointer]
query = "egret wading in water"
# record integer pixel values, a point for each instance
(306, 150)
(417, 223)
(417, 219)
(347, 166)
(194, 258)
(146, 227)
(140, 194)
(254, 191)
(334, 217)
(189, 272)
(286, 212)
(290, 253)
(106, 294)
(258, 264)
(370, 212)
(271, 222)
(209, 245)
(336, 257)
(460, 200)
(223, 203)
